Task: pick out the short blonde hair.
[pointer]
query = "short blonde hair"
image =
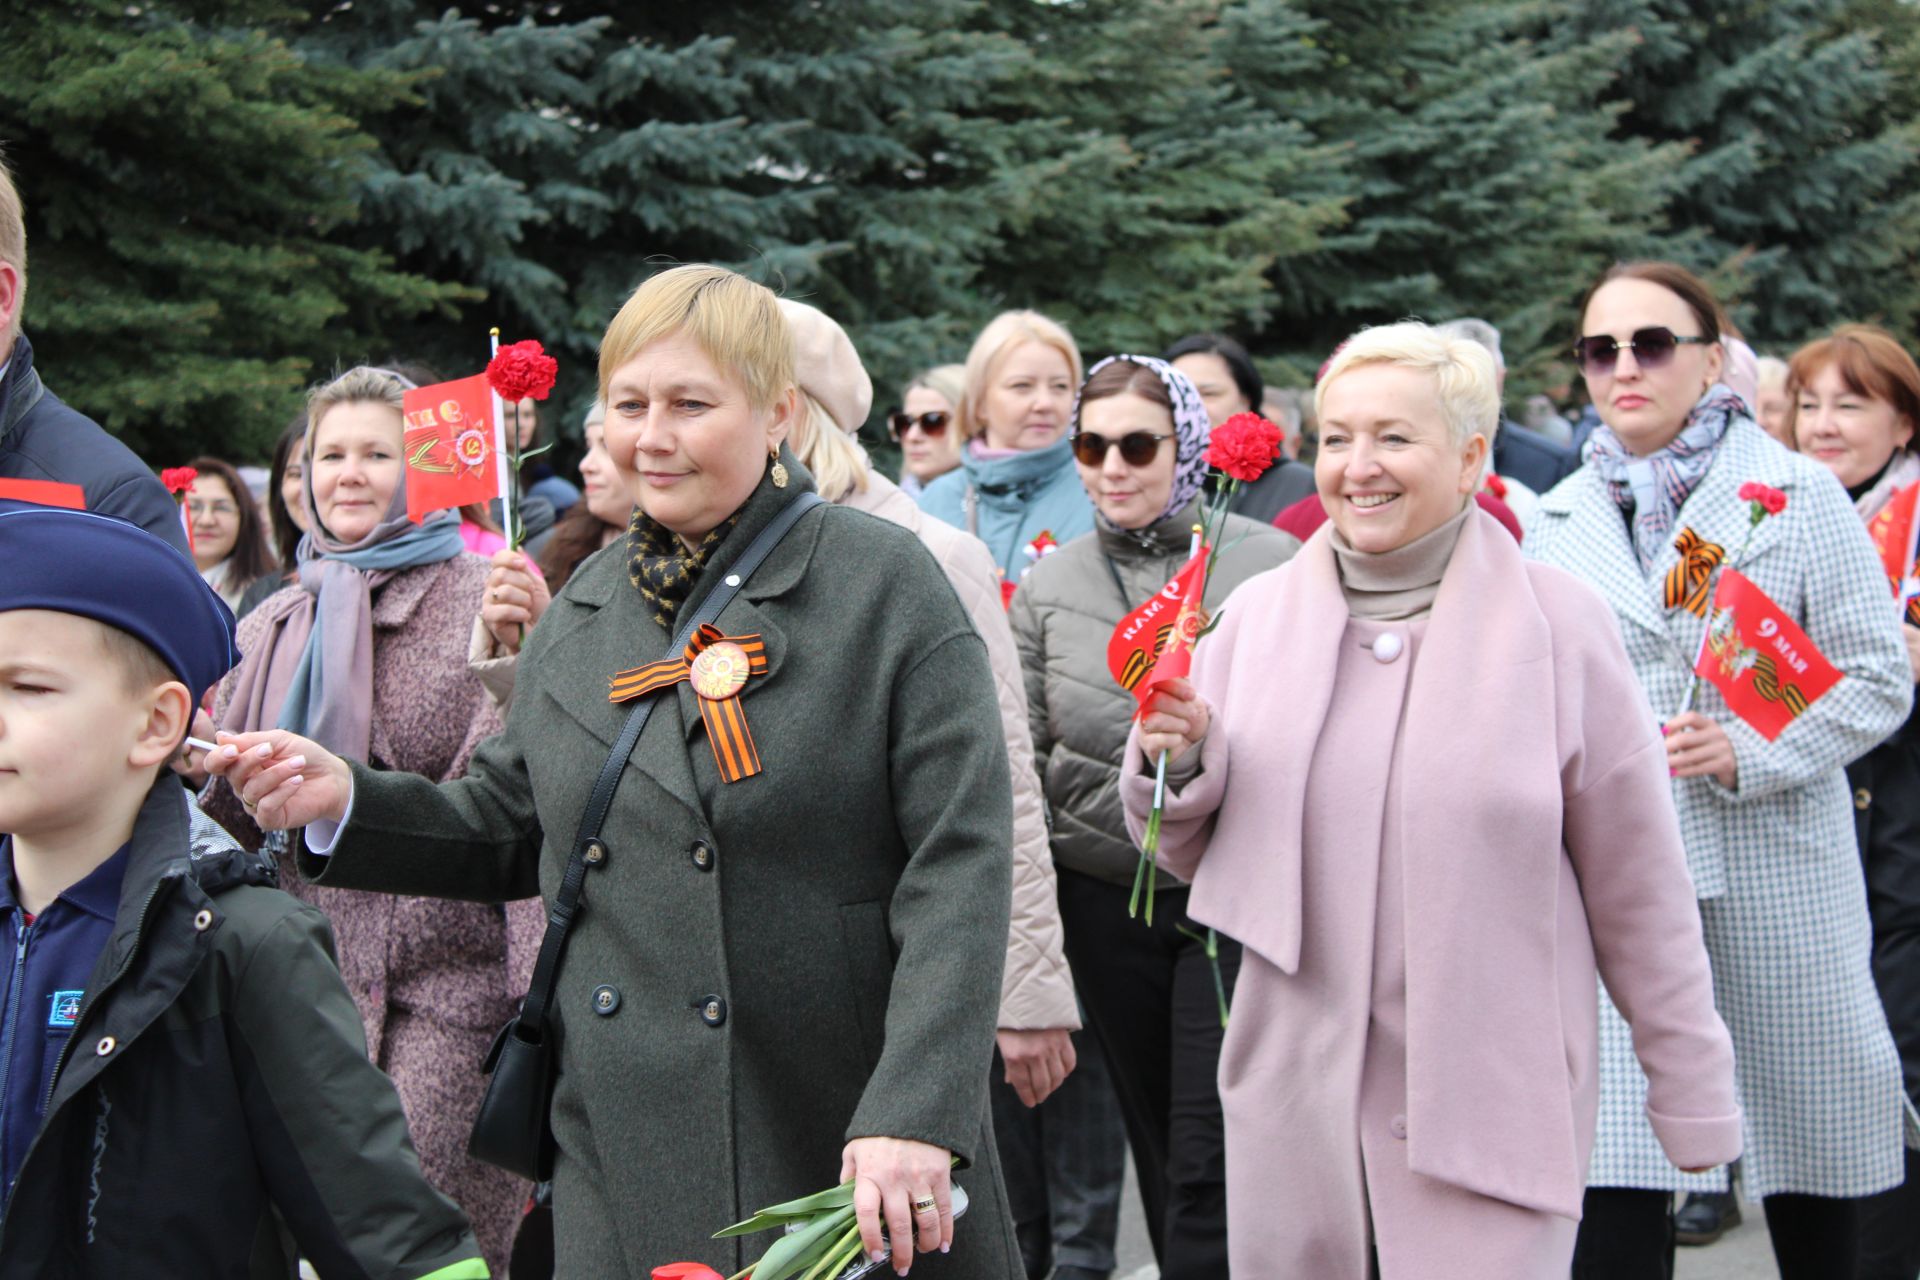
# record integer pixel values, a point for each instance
(837, 462)
(1466, 383)
(1773, 373)
(13, 244)
(948, 381)
(1003, 333)
(735, 321)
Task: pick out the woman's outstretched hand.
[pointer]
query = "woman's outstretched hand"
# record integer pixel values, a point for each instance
(1175, 720)
(282, 779)
(889, 1175)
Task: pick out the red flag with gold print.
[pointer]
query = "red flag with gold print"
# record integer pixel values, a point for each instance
(1154, 643)
(1760, 661)
(449, 446)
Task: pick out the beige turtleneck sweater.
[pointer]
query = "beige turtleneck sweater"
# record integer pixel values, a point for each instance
(1397, 585)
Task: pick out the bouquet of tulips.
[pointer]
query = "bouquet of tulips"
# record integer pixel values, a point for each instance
(821, 1241)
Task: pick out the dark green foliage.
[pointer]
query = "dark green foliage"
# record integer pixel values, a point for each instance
(186, 189)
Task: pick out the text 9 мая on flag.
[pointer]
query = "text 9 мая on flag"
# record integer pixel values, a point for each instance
(449, 447)
(1154, 643)
(1760, 661)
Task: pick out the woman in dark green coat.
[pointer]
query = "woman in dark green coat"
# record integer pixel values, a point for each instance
(778, 979)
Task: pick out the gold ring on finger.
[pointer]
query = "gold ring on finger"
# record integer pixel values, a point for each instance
(925, 1204)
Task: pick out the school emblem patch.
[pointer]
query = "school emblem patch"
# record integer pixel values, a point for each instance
(65, 1008)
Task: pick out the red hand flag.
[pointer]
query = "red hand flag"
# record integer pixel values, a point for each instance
(1154, 643)
(1762, 664)
(449, 446)
(1896, 531)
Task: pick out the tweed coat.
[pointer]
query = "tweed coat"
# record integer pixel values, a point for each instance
(1774, 862)
(765, 969)
(433, 980)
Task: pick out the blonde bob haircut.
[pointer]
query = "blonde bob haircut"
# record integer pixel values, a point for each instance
(360, 385)
(948, 381)
(1003, 333)
(735, 321)
(834, 458)
(1465, 382)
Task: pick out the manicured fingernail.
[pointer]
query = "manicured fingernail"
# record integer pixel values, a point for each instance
(878, 1255)
(264, 750)
(1673, 773)
(295, 780)
(298, 762)
(230, 751)
(945, 1247)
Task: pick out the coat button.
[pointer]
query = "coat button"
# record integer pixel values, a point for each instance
(202, 920)
(713, 1010)
(1863, 799)
(606, 1001)
(1386, 647)
(1398, 1127)
(595, 853)
(106, 1046)
(702, 855)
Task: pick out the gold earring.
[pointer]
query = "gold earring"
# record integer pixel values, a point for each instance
(779, 471)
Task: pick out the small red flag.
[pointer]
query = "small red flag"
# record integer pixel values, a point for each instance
(1154, 643)
(44, 493)
(1894, 533)
(1762, 664)
(449, 449)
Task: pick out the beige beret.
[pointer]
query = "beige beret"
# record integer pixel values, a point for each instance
(826, 365)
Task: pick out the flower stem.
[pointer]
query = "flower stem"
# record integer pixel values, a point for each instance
(1219, 983)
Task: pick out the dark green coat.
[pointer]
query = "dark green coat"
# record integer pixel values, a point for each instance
(846, 908)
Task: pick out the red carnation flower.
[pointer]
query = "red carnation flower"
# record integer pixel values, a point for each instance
(178, 479)
(1244, 446)
(1770, 500)
(522, 370)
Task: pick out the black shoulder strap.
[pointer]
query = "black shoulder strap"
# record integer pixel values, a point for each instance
(566, 902)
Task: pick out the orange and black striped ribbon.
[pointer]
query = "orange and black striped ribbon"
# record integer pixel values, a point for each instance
(734, 753)
(1688, 580)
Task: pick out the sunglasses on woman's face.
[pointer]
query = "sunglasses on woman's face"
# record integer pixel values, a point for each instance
(1136, 447)
(1652, 348)
(932, 425)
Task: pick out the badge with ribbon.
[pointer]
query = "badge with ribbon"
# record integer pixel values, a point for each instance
(718, 667)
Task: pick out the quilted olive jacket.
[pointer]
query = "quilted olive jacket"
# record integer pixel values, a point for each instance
(1063, 615)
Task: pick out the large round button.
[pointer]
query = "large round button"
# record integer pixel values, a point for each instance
(713, 1010)
(1862, 799)
(606, 1000)
(1387, 646)
(702, 854)
(595, 853)
(1397, 1126)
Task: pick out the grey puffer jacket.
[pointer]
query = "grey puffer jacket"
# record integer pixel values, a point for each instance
(1063, 615)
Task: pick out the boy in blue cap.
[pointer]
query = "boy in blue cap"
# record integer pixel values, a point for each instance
(184, 1086)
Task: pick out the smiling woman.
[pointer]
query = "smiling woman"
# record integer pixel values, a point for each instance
(789, 969)
(1419, 955)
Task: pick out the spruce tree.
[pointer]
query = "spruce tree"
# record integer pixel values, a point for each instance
(183, 174)
(1483, 180)
(1799, 195)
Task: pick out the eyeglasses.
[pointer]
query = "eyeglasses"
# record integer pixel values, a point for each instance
(221, 509)
(1136, 447)
(1652, 348)
(932, 425)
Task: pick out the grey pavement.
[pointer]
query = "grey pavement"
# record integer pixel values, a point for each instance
(1741, 1254)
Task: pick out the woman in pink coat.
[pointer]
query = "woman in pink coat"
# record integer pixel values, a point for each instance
(1432, 805)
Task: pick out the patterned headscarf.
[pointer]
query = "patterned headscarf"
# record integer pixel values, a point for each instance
(1653, 489)
(1191, 426)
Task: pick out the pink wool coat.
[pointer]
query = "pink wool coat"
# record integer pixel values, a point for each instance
(1521, 823)
(433, 978)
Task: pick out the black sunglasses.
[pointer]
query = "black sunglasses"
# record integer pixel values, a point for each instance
(932, 425)
(1652, 348)
(1136, 447)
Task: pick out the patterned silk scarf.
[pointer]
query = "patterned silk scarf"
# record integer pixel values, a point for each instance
(662, 567)
(1651, 490)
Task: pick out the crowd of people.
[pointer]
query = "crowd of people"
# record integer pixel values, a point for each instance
(1490, 941)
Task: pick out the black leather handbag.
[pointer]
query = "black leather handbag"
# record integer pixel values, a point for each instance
(512, 1129)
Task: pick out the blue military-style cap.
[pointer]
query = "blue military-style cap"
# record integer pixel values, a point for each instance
(101, 567)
